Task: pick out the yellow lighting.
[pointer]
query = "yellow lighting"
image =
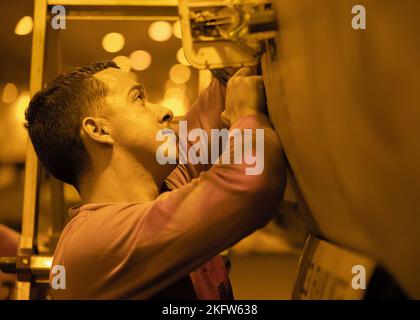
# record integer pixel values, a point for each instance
(176, 29)
(113, 42)
(177, 93)
(140, 60)
(169, 84)
(160, 31)
(24, 26)
(123, 62)
(175, 105)
(133, 75)
(21, 105)
(179, 74)
(10, 93)
(180, 55)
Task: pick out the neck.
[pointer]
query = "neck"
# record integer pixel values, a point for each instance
(122, 179)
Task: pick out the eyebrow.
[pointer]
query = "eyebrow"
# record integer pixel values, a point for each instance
(136, 87)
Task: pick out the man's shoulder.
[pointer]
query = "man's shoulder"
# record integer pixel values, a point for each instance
(96, 227)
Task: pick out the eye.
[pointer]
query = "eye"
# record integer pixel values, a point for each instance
(140, 96)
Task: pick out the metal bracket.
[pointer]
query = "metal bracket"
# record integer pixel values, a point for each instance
(220, 34)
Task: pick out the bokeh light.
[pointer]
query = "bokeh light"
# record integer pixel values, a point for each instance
(24, 26)
(21, 105)
(176, 29)
(180, 56)
(10, 93)
(113, 42)
(160, 31)
(140, 60)
(179, 74)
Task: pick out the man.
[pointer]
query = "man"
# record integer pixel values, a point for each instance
(94, 128)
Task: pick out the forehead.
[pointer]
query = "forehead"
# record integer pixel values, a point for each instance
(115, 79)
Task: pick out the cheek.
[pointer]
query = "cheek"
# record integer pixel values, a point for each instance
(137, 131)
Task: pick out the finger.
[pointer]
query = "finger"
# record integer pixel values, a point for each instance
(225, 120)
(243, 72)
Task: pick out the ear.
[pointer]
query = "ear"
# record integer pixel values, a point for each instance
(97, 129)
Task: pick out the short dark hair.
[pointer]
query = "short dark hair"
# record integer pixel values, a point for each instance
(54, 118)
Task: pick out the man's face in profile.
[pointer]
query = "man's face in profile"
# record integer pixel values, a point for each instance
(132, 121)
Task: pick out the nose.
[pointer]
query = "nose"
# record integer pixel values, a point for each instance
(165, 115)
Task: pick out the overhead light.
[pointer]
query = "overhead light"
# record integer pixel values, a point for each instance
(160, 31)
(180, 56)
(10, 93)
(179, 74)
(176, 29)
(24, 26)
(123, 62)
(113, 42)
(140, 60)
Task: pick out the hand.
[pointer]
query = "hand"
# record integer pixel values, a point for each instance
(244, 96)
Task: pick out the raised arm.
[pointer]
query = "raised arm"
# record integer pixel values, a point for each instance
(222, 206)
(205, 114)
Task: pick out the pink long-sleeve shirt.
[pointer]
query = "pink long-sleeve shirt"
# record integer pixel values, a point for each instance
(168, 248)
